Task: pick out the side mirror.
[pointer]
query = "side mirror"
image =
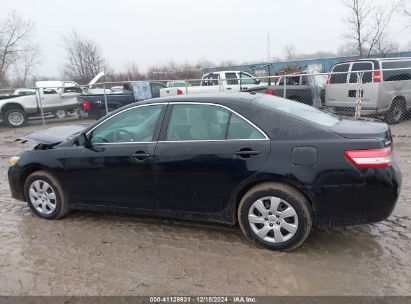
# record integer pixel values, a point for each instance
(83, 140)
(257, 81)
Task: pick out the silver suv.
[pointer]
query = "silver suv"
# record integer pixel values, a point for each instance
(385, 88)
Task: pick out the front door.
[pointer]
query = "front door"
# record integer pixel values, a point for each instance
(117, 168)
(206, 151)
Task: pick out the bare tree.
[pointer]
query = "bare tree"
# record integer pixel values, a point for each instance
(25, 65)
(290, 52)
(367, 25)
(15, 36)
(84, 58)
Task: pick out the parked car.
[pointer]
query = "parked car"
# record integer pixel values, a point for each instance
(95, 105)
(177, 84)
(272, 165)
(386, 87)
(23, 91)
(223, 81)
(308, 89)
(54, 96)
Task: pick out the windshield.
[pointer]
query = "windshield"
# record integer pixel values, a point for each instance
(298, 110)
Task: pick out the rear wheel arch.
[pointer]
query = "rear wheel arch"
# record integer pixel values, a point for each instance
(250, 186)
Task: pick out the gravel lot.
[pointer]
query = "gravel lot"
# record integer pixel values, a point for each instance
(104, 254)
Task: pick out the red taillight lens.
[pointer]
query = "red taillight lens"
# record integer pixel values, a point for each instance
(376, 76)
(269, 92)
(179, 92)
(86, 105)
(375, 158)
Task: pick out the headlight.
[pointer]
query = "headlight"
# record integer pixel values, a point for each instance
(14, 160)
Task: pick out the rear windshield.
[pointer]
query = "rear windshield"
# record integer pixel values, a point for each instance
(404, 72)
(298, 110)
(339, 77)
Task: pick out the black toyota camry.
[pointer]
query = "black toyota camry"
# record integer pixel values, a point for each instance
(274, 166)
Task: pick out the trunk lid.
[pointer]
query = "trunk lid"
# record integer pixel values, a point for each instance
(363, 129)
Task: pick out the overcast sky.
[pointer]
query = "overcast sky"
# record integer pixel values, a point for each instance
(157, 31)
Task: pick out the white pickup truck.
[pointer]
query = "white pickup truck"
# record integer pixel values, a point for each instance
(214, 82)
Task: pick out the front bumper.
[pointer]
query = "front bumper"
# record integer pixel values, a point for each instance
(16, 188)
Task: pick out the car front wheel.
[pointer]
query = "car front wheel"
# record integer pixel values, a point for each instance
(45, 196)
(275, 216)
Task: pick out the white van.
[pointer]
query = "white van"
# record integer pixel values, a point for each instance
(386, 87)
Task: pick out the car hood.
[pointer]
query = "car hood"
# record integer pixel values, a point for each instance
(55, 135)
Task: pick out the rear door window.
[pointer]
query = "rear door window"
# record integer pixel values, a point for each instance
(359, 67)
(339, 77)
(403, 72)
(231, 78)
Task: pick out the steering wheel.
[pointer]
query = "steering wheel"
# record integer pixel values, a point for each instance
(122, 135)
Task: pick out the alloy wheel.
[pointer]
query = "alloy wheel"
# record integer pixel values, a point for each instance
(273, 219)
(42, 197)
(15, 118)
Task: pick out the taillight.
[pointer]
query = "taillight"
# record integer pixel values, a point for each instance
(86, 105)
(376, 76)
(329, 79)
(269, 92)
(179, 92)
(374, 158)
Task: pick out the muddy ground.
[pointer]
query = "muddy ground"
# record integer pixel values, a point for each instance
(104, 254)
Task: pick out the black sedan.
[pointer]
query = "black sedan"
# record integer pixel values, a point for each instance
(274, 166)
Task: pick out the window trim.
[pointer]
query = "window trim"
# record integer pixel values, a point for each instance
(156, 132)
(167, 120)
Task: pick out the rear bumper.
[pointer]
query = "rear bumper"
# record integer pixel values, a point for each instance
(369, 202)
(14, 177)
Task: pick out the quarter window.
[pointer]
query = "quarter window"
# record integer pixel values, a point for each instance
(134, 125)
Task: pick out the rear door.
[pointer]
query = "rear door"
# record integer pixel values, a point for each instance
(336, 89)
(360, 85)
(232, 82)
(51, 99)
(206, 151)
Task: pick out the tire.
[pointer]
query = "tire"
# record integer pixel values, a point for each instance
(60, 114)
(44, 184)
(299, 217)
(15, 117)
(396, 112)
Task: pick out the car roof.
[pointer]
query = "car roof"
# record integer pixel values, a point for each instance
(219, 98)
(374, 60)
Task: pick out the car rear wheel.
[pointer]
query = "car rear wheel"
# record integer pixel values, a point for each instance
(275, 216)
(15, 117)
(60, 114)
(45, 196)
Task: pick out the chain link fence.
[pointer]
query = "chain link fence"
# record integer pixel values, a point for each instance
(352, 91)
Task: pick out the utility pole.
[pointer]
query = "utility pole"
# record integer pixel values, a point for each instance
(268, 58)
